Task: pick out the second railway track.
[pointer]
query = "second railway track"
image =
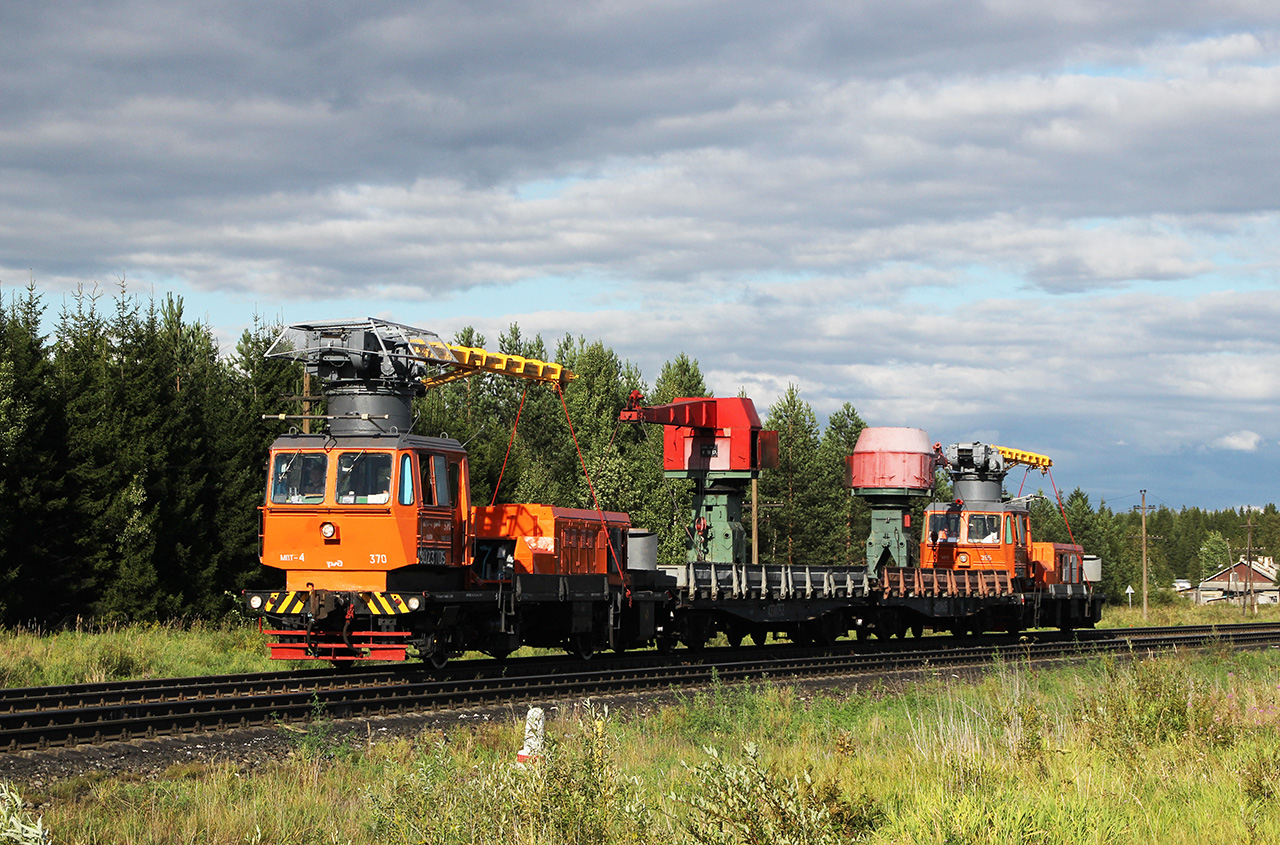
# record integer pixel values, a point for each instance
(44, 717)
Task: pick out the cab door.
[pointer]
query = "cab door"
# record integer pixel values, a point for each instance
(1020, 555)
(437, 523)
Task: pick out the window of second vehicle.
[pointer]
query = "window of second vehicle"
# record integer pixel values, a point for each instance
(984, 528)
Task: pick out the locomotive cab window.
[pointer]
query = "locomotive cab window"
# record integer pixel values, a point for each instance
(984, 528)
(434, 491)
(406, 479)
(438, 473)
(364, 478)
(299, 478)
(944, 527)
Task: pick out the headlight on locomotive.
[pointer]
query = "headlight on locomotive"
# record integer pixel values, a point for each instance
(414, 602)
(328, 530)
(255, 602)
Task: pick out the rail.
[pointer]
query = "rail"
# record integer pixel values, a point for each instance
(44, 717)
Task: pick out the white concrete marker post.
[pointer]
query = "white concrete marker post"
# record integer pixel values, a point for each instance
(535, 724)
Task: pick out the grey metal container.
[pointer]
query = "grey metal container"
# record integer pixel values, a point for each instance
(642, 550)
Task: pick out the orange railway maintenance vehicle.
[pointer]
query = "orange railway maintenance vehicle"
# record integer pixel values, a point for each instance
(978, 568)
(381, 548)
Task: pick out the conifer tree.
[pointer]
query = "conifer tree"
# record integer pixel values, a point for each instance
(795, 524)
(36, 556)
(667, 503)
(852, 516)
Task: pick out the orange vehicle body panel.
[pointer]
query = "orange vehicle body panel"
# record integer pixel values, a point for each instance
(1047, 563)
(1058, 563)
(368, 539)
(968, 556)
(554, 541)
(964, 553)
(368, 543)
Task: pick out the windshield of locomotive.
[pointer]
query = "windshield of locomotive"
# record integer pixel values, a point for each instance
(364, 478)
(984, 528)
(944, 527)
(298, 478)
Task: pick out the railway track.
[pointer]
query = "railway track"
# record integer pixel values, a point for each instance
(44, 717)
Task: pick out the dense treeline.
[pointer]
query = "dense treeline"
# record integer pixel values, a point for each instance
(132, 455)
(131, 459)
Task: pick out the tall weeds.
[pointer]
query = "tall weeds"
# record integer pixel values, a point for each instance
(1176, 750)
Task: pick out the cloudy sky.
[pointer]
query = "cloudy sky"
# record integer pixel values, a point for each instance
(1049, 225)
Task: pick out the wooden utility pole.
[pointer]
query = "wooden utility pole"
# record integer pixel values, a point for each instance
(1144, 555)
(1248, 561)
(306, 403)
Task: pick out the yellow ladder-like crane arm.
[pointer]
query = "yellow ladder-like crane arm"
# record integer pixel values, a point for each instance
(1014, 457)
(469, 361)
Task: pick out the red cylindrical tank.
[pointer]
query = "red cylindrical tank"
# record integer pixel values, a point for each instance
(891, 458)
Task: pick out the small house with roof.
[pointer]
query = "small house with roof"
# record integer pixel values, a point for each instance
(1232, 583)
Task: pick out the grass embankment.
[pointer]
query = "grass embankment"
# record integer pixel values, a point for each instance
(1172, 750)
(1179, 611)
(89, 655)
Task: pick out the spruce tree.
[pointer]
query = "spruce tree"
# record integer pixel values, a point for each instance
(795, 525)
(36, 555)
(666, 504)
(851, 515)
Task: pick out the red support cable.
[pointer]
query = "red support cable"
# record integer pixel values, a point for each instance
(1062, 508)
(510, 442)
(595, 500)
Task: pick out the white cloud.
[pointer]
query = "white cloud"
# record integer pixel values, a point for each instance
(1239, 441)
(1056, 221)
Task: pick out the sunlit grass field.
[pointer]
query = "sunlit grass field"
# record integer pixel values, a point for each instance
(1181, 612)
(1171, 750)
(1175, 749)
(87, 654)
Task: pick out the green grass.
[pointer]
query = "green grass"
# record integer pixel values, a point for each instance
(86, 655)
(1181, 612)
(1172, 750)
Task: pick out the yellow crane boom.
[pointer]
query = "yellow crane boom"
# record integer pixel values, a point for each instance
(1014, 457)
(470, 361)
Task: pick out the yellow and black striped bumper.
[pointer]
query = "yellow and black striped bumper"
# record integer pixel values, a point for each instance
(286, 604)
(296, 602)
(385, 604)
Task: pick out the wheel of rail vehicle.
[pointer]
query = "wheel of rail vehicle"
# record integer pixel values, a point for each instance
(582, 646)
(917, 629)
(897, 627)
(828, 629)
(436, 658)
